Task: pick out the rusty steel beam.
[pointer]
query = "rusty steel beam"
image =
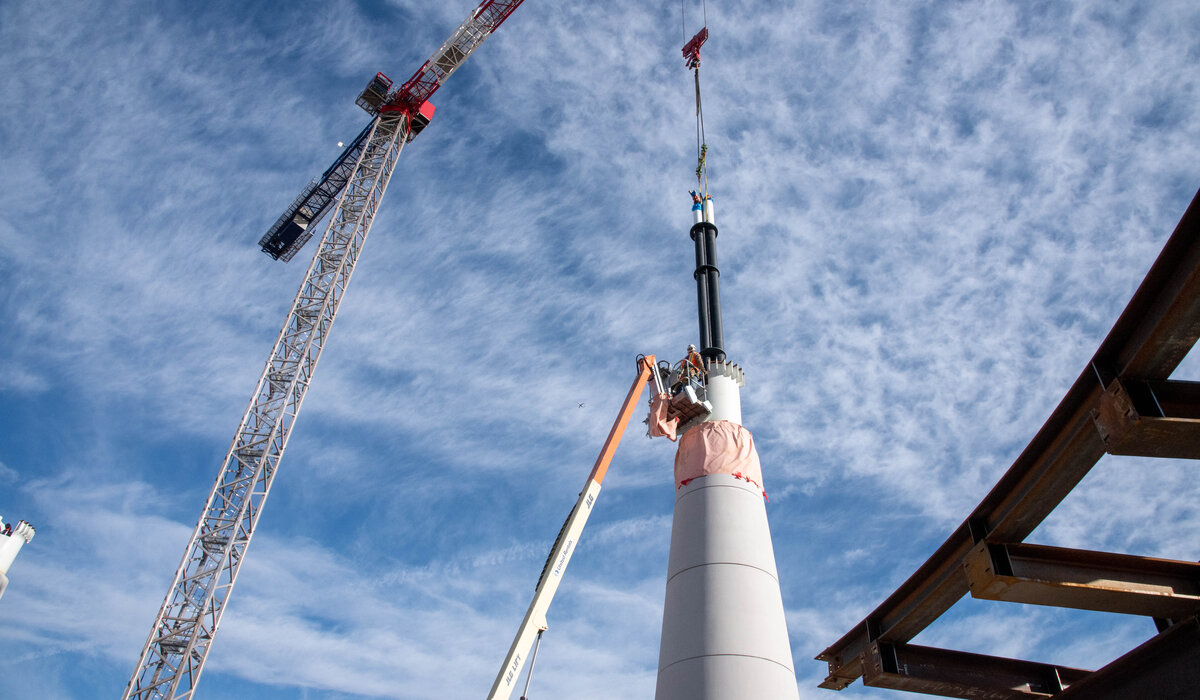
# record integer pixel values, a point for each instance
(1158, 327)
(1073, 578)
(957, 674)
(1150, 419)
(1167, 667)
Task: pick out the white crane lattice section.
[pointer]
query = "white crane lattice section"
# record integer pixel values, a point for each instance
(174, 653)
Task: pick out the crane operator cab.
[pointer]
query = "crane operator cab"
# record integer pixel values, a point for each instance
(374, 93)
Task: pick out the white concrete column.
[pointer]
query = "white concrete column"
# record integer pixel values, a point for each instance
(723, 389)
(724, 632)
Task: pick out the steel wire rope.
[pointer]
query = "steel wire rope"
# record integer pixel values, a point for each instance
(701, 139)
(701, 143)
(683, 14)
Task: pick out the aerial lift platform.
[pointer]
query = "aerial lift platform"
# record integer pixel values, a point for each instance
(685, 406)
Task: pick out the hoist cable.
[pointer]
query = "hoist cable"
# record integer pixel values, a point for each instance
(701, 141)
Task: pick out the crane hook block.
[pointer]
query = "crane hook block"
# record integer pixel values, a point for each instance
(374, 94)
(691, 50)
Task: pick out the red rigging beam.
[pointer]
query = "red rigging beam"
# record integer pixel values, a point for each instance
(691, 50)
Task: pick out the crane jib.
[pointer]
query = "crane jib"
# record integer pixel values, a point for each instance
(450, 55)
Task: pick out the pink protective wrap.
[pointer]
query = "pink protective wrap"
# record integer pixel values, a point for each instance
(660, 425)
(717, 447)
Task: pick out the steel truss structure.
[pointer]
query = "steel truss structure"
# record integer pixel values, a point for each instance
(450, 55)
(174, 654)
(1123, 403)
(290, 231)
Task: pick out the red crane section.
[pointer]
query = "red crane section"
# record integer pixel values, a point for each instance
(691, 50)
(416, 91)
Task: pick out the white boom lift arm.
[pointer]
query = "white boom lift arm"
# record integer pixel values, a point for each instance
(560, 554)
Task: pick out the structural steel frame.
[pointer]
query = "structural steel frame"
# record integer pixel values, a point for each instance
(1123, 403)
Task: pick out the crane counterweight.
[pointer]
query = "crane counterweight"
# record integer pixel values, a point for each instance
(418, 116)
(291, 230)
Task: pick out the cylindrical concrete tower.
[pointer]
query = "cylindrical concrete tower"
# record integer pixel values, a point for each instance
(11, 540)
(724, 635)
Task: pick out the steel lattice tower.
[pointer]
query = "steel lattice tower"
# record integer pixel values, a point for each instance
(179, 641)
(175, 651)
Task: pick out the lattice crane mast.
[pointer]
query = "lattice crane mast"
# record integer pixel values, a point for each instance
(183, 631)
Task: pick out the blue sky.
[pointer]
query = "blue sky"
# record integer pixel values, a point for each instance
(931, 213)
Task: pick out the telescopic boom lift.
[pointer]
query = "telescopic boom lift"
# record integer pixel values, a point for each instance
(564, 546)
(182, 634)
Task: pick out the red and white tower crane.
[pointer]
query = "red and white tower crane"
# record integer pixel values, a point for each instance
(183, 631)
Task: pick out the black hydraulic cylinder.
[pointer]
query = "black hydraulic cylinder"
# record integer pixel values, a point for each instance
(708, 291)
(702, 290)
(715, 330)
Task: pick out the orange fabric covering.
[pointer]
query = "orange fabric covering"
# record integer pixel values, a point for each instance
(717, 447)
(660, 425)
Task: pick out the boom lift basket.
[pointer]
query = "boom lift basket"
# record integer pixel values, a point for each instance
(688, 397)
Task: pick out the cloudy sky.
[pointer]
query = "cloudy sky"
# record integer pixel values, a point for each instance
(931, 213)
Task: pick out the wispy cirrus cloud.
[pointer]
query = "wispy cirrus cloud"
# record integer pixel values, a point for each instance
(930, 216)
